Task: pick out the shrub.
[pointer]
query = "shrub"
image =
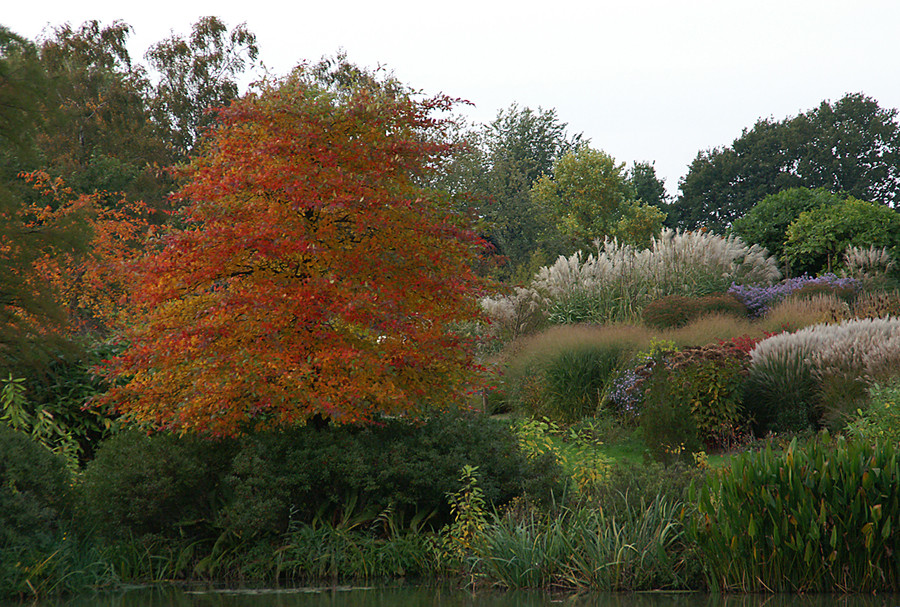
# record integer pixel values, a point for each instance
(34, 495)
(708, 381)
(669, 429)
(158, 484)
(306, 474)
(880, 421)
(670, 312)
(673, 311)
(816, 518)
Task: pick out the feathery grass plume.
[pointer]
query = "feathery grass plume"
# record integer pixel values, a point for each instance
(789, 371)
(512, 316)
(867, 263)
(616, 283)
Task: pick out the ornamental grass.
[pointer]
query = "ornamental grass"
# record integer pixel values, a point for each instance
(614, 283)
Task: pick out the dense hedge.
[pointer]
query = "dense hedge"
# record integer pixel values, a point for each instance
(407, 469)
(34, 494)
(168, 486)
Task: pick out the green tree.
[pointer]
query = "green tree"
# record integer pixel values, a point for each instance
(196, 74)
(498, 167)
(28, 312)
(102, 137)
(818, 237)
(767, 222)
(647, 187)
(851, 145)
(591, 198)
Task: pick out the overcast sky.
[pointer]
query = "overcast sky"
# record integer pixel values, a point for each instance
(654, 80)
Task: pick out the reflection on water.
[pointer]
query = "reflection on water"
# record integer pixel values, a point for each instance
(444, 597)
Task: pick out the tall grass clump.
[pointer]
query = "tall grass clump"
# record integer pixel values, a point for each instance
(564, 372)
(583, 548)
(798, 312)
(818, 518)
(614, 283)
(876, 304)
(867, 263)
(816, 374)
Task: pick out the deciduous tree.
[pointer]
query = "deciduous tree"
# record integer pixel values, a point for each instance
(817, 239)
(851, 145)
(590, 197)
(313, 277)
(197, 74)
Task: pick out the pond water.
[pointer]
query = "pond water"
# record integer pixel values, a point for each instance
(443, 597)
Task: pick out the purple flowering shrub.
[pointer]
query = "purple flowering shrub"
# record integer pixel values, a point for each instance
(760, 299)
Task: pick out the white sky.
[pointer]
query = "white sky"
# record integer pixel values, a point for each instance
(654, 80)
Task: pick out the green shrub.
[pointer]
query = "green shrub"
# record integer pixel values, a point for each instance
(34, 496)
(818, 518)
(703, 383)
(669, 429)
(671, 311)
(843, 292)
(332, 473)
(880, 421)
(674, 311)
(158, 484)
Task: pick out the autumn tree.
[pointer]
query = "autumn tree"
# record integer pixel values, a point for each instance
(25, 306)
(313, 276)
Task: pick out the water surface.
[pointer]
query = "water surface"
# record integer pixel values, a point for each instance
(416, 596)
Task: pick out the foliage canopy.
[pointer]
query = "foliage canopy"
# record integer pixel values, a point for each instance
(313, 277)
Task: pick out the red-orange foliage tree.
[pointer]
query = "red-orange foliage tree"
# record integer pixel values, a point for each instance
(313, 276)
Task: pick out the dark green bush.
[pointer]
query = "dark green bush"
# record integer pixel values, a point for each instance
(821, 517)
(340, 473)
(158, 484)
(722, 303)
(670, 312)
(844, 292)
(34, 496)
(669, 429)
(781, 394)
(704, 384)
